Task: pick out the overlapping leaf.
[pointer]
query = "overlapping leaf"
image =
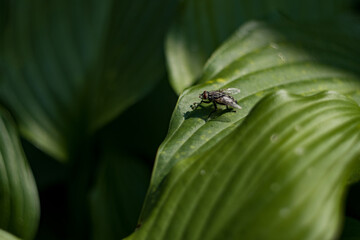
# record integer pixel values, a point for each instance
(68, 67)
(201, 26)
(19, 203)
(279, 175)
(117, 198)
(258, 59)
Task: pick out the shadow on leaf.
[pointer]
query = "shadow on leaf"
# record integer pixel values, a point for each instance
(208, 114)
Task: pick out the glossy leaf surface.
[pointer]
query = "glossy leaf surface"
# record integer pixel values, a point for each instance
(259, 59)
(280, 175)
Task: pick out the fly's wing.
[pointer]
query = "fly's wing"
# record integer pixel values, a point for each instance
(230, 90)
(229, 101)
(216, 94)
(235, 105)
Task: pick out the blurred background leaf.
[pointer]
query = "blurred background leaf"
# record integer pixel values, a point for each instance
(202, 25)
(118, 195)
(19, 202)
(7, 236)
(143, 126)
(51, 178)
(228, 191)
(69, 67)
(123, 179)
(137, 132)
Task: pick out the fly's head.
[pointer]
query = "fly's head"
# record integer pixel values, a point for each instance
(204, 95)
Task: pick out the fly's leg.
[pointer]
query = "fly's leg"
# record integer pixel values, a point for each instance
(231, 110)
(196, 105)
(215, 106)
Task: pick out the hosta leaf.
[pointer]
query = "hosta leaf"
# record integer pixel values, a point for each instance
(117, 197)
(68, 67)
(7, 236)
(258, 59)
(19, 202)
(280, 175)
(201, 26)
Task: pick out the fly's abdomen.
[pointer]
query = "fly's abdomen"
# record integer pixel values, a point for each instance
(228, 100)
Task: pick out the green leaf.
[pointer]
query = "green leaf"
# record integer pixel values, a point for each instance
(280, 175)
(19, 201)
(201, 26)
(7, 236)
(118, 195)
(259, 59)
(69, 67)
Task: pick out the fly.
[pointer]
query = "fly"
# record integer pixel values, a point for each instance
(221, 97)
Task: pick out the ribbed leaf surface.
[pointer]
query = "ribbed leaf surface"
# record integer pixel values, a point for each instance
(279, 175)
(201, 26)
(258, 59)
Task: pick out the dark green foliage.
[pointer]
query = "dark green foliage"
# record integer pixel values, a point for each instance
(19, 203)
(92, 102)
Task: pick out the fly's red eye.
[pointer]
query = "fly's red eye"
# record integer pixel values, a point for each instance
(205, 94)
